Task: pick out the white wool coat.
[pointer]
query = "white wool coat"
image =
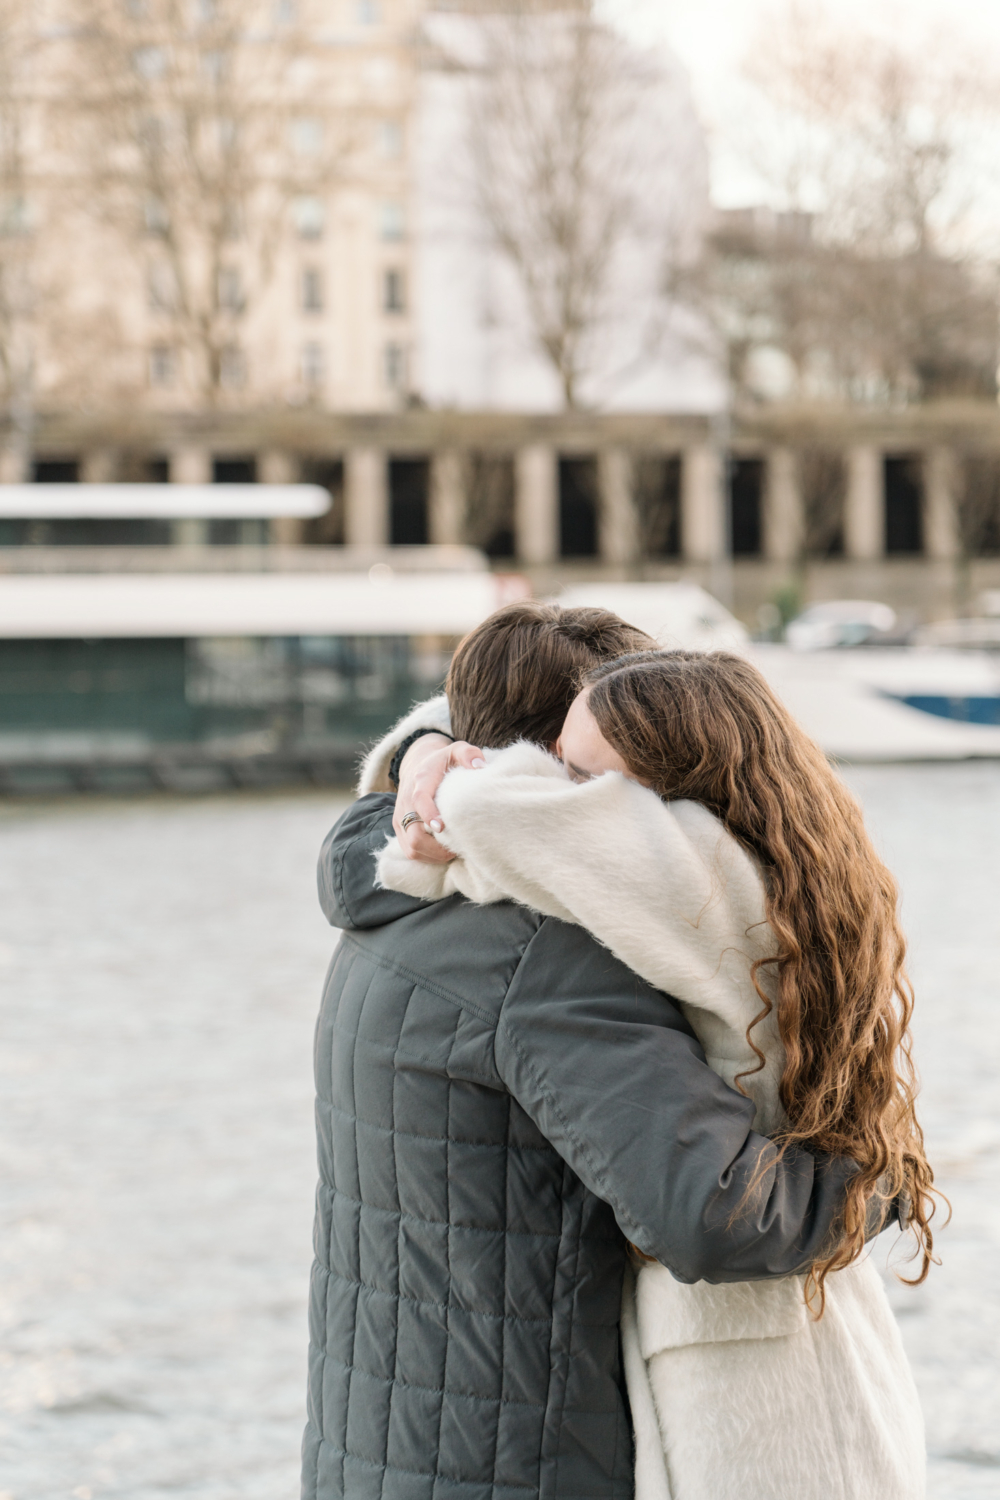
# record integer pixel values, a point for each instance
(737, 1393)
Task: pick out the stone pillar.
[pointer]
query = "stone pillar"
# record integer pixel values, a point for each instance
(536, 504)
(286, 531)
(784, 518)
(366, 498)
(190, 465)
(941, 479)
(617, 520)
(864, 505)
(277, 466)
(99, 466)
(703, 512)
(447, 508)
(15, 464)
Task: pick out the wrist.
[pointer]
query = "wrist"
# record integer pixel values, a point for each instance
(415, 747)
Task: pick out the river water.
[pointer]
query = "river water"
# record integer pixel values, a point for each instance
(160, 967)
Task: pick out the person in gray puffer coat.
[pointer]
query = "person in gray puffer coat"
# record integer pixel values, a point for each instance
(502, 1106)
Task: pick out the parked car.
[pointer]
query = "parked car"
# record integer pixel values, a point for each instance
(840, 623)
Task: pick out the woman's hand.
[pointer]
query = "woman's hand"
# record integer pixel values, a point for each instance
(424, 767)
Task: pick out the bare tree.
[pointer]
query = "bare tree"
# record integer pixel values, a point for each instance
(823, 480)
(656, 494)
(868, 279)
(489, 491)
(977, 517)
(978, 504)
(207, 154)
(577, 185)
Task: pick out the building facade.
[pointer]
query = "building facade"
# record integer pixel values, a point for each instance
(902, 506)
(230, 250)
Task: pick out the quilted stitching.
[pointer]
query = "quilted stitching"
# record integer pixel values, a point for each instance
(456, 1322)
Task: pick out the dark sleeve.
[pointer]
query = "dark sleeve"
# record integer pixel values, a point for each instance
(345, 873)
(614, 1077)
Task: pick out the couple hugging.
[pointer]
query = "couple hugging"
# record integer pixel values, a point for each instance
(613, 1091)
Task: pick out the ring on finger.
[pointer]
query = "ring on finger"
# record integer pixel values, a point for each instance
(410, 817)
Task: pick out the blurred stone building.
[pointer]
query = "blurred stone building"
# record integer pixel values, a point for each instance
(252, 243)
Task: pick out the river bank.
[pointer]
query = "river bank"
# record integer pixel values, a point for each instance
(160, 968)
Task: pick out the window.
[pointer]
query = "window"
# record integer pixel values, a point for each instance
(309, 215)
(409, 497)
(161, 366)
(232, 221)
(213, 65)
(225, 131)
(306, 136)
(15, 214)
(206, 10)
(577, 507)
(156, 218)
(234, 470)
(312, 365)
(285, 12)
(150, 62)
(232, 368)
(746, 506)
(393, 292)
(161, 287)
(56, 471)
(395, 366)
(656, 491)
(391, 221)
(230, 290)
(152, 133)
(369, 12)
(903, 480)
(312, 290)
(390, 140)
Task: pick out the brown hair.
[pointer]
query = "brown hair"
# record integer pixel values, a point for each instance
(706, 727)
(514, 676)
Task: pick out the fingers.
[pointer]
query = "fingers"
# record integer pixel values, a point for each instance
(420, 776)
(416, 840)
(417, 786)
(419, 780)
(418, 843)
(470, 757)
(423, 803)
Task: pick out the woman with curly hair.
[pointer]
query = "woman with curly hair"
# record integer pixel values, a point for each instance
(692, 826)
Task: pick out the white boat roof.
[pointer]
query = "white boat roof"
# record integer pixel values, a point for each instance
(46, 606)
(160, 502)
(678, 614)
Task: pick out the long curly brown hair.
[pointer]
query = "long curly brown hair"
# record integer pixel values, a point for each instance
(707, 727)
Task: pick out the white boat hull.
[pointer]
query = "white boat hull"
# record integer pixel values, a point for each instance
(850, 701)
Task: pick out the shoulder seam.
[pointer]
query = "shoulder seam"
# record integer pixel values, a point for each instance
(423, 983)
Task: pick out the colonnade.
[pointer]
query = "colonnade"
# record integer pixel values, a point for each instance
(536, 502)
(703, 505)
(703, 509)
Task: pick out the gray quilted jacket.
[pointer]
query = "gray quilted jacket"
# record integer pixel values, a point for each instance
(501, 1105)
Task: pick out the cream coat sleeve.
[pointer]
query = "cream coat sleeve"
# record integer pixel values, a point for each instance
(663, 885)
(433, 714)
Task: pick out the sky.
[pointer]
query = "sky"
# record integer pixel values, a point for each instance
(712, 37)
